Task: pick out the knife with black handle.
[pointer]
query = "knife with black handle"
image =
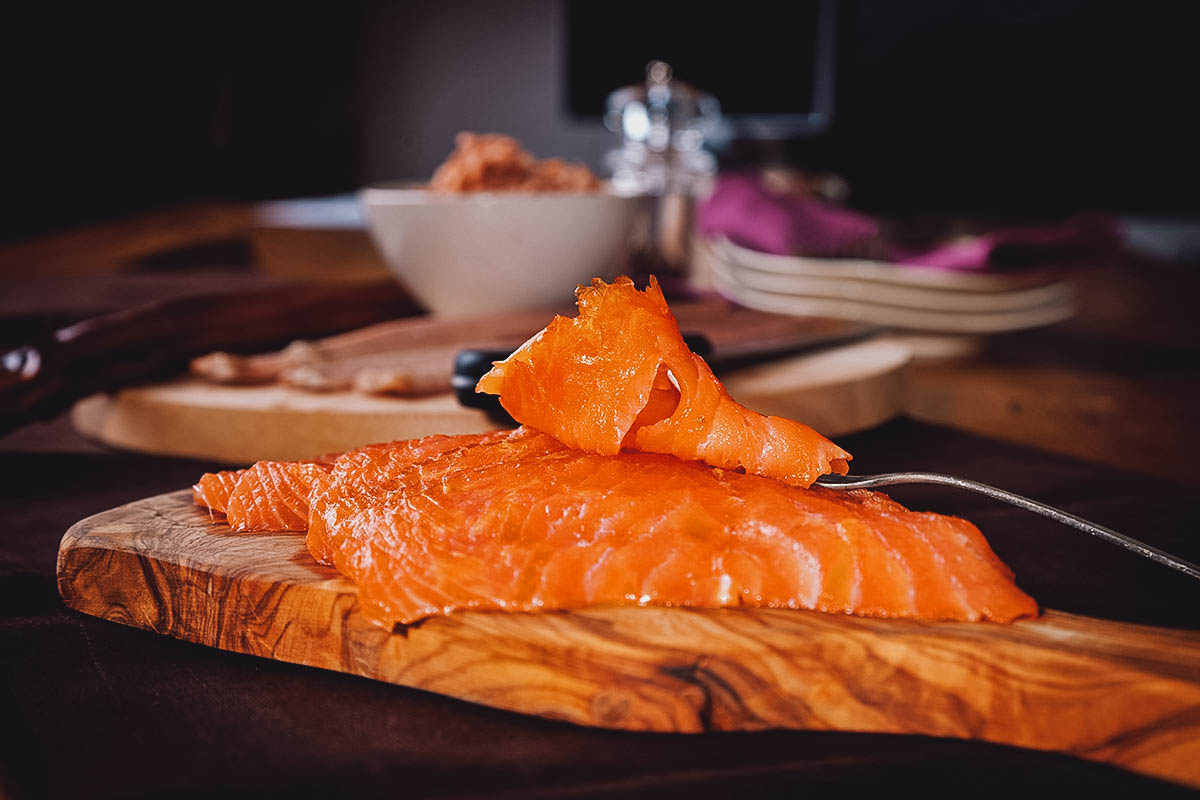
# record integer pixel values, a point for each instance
(42, 379)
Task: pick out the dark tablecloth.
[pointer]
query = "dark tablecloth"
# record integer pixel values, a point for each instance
(94, 709)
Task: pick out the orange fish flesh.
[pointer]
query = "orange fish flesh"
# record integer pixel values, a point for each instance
(359, 479)
(213, 489)
(517, 521)
(266, 496)
(273, 496)
(620, 377)
(636, 479)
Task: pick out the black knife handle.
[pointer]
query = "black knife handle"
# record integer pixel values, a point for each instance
(43, 378)
(471, 365)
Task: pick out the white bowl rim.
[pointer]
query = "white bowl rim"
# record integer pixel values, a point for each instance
(407, 192)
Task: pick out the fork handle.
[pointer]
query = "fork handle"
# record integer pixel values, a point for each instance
(1058, 515)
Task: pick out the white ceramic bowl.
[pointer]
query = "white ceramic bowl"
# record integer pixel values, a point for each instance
(464, 254)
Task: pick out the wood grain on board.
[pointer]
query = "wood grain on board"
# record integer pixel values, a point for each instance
(1111, 692)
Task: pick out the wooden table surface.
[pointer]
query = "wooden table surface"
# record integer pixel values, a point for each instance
(1083, 414)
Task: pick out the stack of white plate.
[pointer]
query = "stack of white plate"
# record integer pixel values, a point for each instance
(893, 295)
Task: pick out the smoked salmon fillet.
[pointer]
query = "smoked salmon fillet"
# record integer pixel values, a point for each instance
(361, 478)
(266, 496)
(620, 377)
(273, 496)
(517, 521)
(213, 489)
(635, 479)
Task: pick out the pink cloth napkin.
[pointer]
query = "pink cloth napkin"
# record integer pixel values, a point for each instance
(747, 213)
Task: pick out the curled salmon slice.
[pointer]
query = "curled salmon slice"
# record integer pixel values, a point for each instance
(619, 376)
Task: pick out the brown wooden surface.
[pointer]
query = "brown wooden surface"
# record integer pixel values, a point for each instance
(1084, 412)
(1119, 384)
(1111, 692)
(117, 245)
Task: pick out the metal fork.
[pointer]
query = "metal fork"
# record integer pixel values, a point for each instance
(890, 478)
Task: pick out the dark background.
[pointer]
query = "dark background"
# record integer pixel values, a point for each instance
(750, 60)
(941, 106)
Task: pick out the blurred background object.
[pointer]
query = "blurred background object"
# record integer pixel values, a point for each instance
(472, 253)
(314, 239)
(666, 127)
(931, 106)
(194, 148)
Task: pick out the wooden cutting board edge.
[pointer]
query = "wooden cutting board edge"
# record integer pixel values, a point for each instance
(836, 391)
(1105, 691)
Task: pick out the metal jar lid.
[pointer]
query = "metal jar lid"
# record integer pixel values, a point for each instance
(664, 124)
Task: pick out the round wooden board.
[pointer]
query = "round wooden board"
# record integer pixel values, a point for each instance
(836, 391)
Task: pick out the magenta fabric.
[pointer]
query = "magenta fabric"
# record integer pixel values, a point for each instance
(744, 211)
(1066, 241)
(749, 214)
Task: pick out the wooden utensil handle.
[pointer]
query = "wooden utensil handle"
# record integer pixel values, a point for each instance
(42, 379)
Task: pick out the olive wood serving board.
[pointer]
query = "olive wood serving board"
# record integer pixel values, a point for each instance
(1106, 691)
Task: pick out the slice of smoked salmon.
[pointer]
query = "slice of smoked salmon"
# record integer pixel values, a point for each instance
(270, 484)
(517, 521)
(213, 489)
(620, 377)
(364, 477)
(273, 496)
